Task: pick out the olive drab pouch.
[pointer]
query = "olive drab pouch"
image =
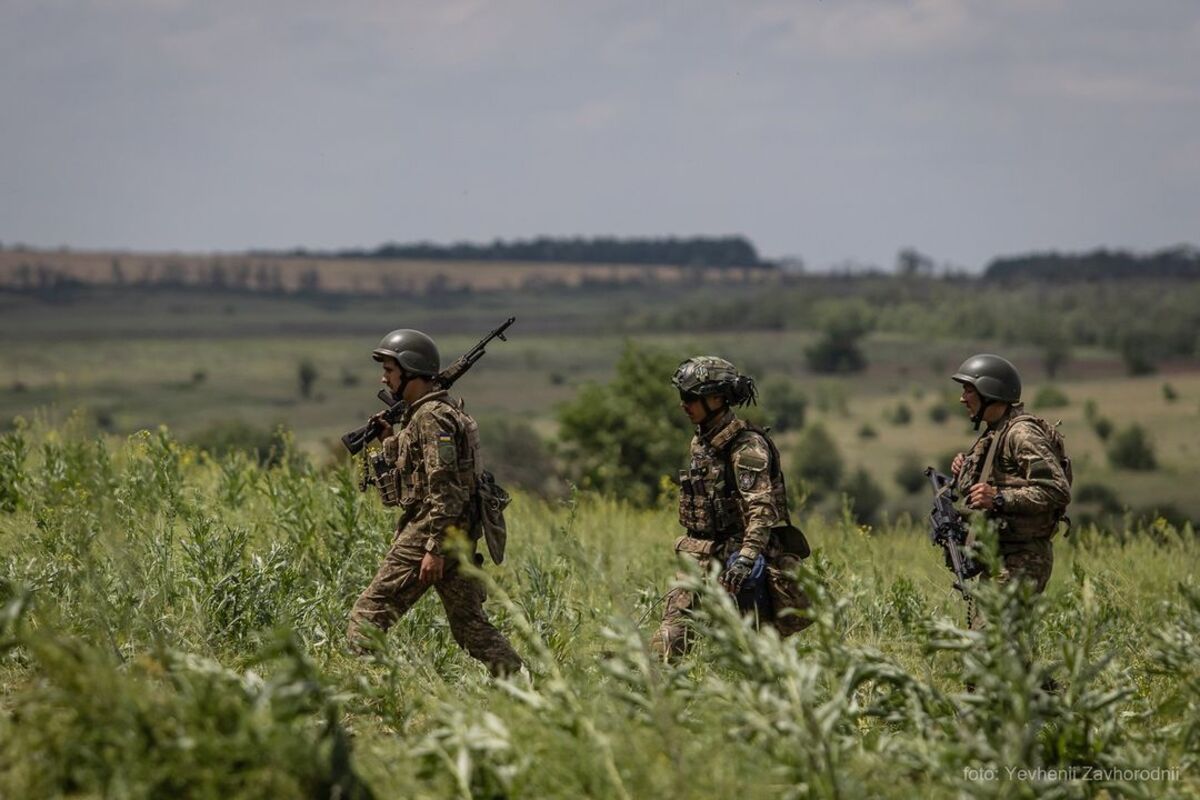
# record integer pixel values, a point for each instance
(385, 478)
(695, 512)
(493, 499)
(389, 487)
(704, 507)
(792, 541)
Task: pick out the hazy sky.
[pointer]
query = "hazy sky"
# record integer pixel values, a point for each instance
(836, 130)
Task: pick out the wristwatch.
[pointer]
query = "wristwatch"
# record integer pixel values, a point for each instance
(999, 503)
(433, 546)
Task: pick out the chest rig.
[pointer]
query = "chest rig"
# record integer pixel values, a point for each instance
(406, 483)
(988, 462)
(710, 505)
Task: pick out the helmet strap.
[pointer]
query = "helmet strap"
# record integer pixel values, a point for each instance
(406, 378)
(984, 402)
(710, 413)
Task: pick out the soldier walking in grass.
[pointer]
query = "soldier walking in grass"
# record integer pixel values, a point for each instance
(1017, 473)
(435, 479)
(733, 505)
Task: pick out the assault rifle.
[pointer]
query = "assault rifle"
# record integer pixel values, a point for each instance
(948, 531)
(359, 438)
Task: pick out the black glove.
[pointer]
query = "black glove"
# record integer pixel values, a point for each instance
(737, 573)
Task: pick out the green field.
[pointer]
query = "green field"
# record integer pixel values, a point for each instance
(135, 360)
(171, 626)
(171, 623)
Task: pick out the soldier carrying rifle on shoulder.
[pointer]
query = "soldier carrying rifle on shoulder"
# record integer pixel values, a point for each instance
(430, 467)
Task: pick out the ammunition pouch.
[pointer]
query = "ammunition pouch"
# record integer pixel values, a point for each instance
(389, 487)
(489, 523)
(1028, 527)
(701, 510)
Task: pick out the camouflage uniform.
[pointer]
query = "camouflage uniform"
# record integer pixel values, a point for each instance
(436, 453)
(1034, 489)
(733, 499)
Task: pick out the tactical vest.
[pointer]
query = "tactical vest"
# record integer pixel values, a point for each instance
(710, 505)
(410, 474)
(1005, 474)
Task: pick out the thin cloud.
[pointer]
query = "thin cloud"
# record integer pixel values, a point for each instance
(863, 29)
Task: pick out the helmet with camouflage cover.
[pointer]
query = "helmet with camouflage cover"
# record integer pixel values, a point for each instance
(707, 376)
(414, 352)
(995, 378)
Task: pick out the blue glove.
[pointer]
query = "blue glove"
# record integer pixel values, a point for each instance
(736, 573)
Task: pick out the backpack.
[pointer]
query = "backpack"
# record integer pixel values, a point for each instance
(1057, 441)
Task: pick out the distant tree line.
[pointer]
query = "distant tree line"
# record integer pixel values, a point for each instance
(1175, 262)
(698, 251)
(1056, 317)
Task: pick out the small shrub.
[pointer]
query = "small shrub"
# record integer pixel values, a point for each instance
(939, 413)
(199, 377)
(1132, 449)
(1103, 427)
(867, 432)
(514, 452)
(105, 420)
(910, 474)
(306, 376)
(224, 438)
(348, 378)
(1051, 396)
(785, 407)
(1137, 352)
(838, 349)
(1098, 494)
(865, 495)
(1169, 393)
(819, 464)
(901, 415)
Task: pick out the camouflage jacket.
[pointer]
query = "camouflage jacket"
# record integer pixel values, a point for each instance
(436, 453)
(1027, 471)
(734, 488)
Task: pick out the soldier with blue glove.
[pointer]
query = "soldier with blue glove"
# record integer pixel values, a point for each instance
(733, 505)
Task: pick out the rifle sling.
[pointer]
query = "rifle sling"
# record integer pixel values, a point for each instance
(986, 473)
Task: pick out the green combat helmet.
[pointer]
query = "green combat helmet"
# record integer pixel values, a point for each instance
(995, 378)
(708, 376)
(414, 352)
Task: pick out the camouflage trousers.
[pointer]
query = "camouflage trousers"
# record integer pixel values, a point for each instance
(674, 636)
(396, 588)
(1032, 561)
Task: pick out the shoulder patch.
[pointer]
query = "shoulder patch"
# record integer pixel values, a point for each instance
(447, 451)
(751, 453)
(751, 460)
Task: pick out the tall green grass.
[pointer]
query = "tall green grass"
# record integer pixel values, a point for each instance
(172, 626)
